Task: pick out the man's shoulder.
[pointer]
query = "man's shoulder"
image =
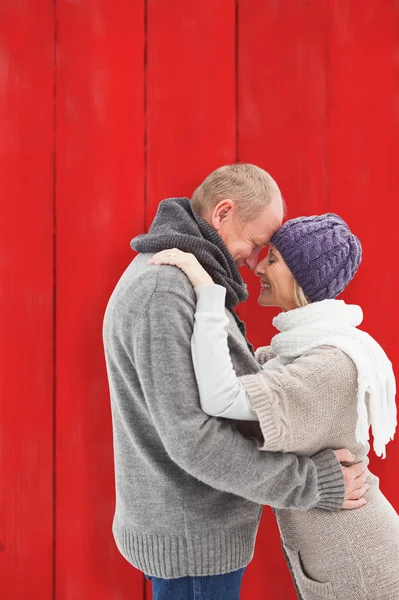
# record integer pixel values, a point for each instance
(148, 290)
(160, 278)
(142, 283)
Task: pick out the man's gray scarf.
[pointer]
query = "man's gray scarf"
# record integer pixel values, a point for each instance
(176, 225)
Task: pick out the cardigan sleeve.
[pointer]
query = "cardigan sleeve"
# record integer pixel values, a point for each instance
(222, 394)
(293, 402)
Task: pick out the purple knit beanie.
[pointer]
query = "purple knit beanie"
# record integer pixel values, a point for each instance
(321, 252)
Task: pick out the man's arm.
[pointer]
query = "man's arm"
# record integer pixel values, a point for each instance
(264, 354)
(207, 448)
(221, 393)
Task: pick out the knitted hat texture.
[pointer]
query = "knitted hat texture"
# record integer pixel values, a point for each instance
(321, 252)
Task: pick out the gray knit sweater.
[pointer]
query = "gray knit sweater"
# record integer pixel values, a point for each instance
(189, 487)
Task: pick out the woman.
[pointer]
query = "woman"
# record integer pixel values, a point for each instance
(323, 384)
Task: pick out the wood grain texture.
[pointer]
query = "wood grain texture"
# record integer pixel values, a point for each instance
(318, 108)
(364, 176)
(283, 112)
(26, 300)
(283, 128)
(191, 105)
(191, 118)
(100, 207)
(132, 102)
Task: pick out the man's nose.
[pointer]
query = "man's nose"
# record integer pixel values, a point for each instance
(252, 259)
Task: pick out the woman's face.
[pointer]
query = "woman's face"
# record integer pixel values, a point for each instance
(277, 281)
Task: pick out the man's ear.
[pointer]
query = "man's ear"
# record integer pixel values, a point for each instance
(222, 213)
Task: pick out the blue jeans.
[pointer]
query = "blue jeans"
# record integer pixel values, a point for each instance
(209, 587)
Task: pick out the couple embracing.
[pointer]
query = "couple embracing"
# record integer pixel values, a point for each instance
(206, 430)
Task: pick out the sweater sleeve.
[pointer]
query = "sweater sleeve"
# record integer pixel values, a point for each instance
(222, 394)
(293, 402)
(209, 449)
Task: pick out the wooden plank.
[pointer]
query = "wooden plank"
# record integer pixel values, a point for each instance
(191, 107)
(282, 119)
(26, 300)
(191, 95)
(363, 150)
(283, 128)
(100, 207)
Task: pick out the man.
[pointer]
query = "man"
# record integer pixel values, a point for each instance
(189, 488)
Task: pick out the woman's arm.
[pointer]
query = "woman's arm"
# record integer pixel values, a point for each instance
(222, 394)
(291, 402)
(298, 404)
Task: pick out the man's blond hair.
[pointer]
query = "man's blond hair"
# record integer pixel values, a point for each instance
(250, 187)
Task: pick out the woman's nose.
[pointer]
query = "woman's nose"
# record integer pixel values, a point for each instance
(260, 268)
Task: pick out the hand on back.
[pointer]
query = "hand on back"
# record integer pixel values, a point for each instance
(355, 477)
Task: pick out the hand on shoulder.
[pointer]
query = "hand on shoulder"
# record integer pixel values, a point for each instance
(184, 261)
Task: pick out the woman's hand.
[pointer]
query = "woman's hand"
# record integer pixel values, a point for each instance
(186, 262)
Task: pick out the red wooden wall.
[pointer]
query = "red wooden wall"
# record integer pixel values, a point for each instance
(106, 107)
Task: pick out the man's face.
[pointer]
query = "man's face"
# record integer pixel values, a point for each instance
(245, 242)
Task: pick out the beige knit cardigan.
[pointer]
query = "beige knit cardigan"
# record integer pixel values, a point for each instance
(303, 407)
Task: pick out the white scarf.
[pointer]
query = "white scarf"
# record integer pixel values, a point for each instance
(334, 323)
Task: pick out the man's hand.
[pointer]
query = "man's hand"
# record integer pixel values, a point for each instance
(355, 480)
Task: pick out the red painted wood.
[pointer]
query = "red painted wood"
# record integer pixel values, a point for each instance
(318, 86)
(191, 125)
(364, 178)
(191, 115)
(100, 177)
(26, 300)
(283, 111)
(282, 125)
